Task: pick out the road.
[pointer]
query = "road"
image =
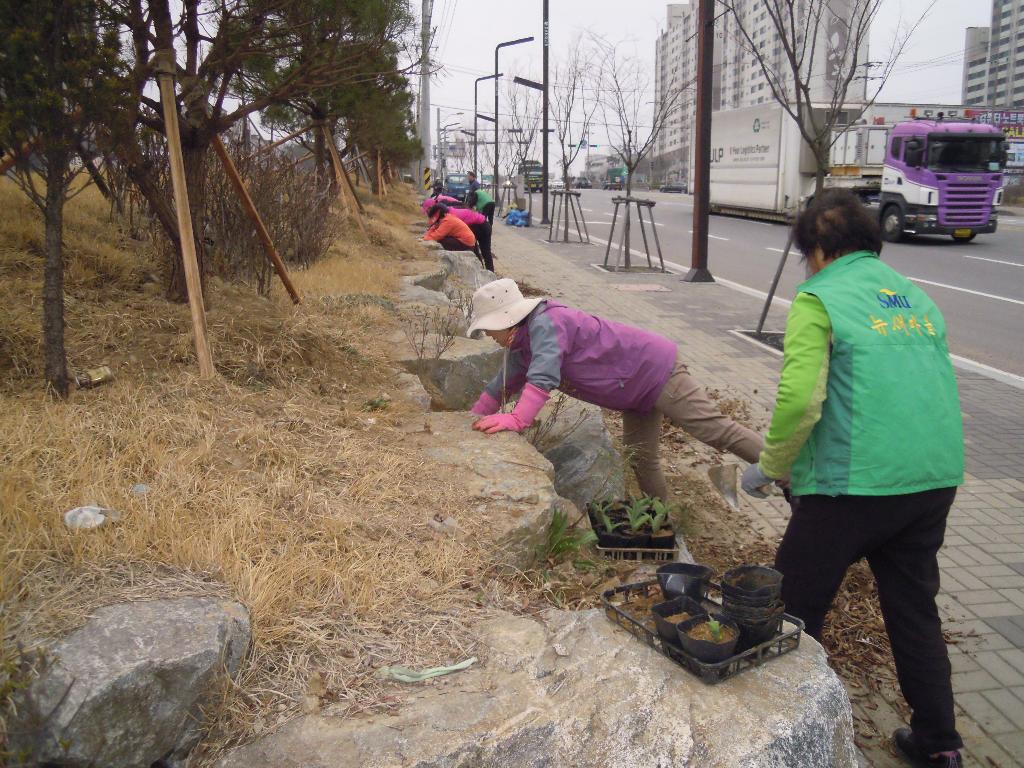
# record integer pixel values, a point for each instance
(979, 286)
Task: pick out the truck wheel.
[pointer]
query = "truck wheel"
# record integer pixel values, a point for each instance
(892, 224)
(965, 239)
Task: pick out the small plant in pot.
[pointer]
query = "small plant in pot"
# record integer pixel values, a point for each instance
(709, 639)
(662, 535)
(638, 518)
(668, 616)
(606, 528)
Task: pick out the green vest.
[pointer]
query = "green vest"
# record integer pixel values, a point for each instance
(482, 199)
(891, 421)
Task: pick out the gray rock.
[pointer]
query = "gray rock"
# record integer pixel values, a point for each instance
(573, 437)
(577, 691)
(413, 389)
(430, 245)
(509, 484)
(457, 378)
(129, 687)
(466, 269)
(413, 293)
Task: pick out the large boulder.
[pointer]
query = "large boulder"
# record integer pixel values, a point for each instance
(466, 269)
(509, 484)
(456, 379)
(577, 691)
(572, 435)
(416, 289)
(129, 688)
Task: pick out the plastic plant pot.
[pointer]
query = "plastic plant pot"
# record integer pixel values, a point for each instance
(741, 613)
(690, 579)
(619, 540)
(755, 633)
(665, 538)
(705, 650)
(752, 582)
(667, 629)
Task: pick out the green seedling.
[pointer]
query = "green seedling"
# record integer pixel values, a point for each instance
(660, 516)
(564, 539)
(715, 628)
(638, 515)
(607, 523)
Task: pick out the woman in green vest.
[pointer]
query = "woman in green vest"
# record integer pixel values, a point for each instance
(481, 201)
(868, 438)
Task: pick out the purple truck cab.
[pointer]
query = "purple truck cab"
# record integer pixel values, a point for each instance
(942, 178)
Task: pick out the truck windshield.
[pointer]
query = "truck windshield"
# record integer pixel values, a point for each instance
(965, 154)
(456, 178)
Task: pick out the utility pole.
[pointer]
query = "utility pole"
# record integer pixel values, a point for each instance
(699, 272)
(440, 149)
(544, 125)
(424, 116)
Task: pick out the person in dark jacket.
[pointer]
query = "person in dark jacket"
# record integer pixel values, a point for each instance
(868, 436)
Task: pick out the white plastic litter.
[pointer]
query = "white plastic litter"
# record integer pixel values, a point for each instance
(89, 516)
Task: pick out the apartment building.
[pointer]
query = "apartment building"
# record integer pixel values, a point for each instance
(994, 59)
(738, 79)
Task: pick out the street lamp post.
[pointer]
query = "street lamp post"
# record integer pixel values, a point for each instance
(544, 123)
(476, 111)
(497, 48)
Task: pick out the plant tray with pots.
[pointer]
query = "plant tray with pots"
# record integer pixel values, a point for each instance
(630, 606)
(635, 529)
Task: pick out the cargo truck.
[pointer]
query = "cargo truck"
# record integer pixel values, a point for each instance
(923, 176)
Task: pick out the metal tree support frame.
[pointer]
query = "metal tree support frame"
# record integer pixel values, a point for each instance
(563, 199)
(640, 205)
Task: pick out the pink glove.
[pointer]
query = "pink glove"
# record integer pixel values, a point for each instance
(530, 402)
(485, 405)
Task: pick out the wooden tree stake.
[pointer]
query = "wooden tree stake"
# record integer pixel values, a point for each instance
(254, 216)
(165, 67)
(345, 183)
(282, 140)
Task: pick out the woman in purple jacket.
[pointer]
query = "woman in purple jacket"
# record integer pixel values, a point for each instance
(550, 345)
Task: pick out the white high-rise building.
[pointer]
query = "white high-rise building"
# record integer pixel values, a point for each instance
(994, 59)
(738, 79)
(975, 66)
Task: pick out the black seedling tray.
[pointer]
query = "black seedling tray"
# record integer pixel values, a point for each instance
(639, 553)
(787, 640)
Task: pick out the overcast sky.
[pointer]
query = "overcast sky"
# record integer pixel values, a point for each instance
(929, 70)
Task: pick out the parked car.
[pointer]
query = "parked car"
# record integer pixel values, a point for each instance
(556, 184)
(456, 185)
(616, 185)
(673, 186)
(583, 183)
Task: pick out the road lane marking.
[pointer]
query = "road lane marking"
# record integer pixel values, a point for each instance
(966, 290)
(589, 210)
(794, 251)
(964, 363)
(995, 261)
(714, 237)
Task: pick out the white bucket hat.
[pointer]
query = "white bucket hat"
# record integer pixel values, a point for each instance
(499, 305)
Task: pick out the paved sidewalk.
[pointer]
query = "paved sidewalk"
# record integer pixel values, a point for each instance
(983, 558)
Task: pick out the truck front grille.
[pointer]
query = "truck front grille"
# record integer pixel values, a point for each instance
(966, 205)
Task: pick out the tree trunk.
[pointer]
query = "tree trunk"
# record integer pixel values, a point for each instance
(194, 158)
(565, 201)
(54, 357)
(821, 155)
(625, 230)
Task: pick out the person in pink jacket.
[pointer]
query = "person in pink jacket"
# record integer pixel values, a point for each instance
(615, 366)
(477, 222)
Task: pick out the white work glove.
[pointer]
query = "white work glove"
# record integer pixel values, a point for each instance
(755, 482)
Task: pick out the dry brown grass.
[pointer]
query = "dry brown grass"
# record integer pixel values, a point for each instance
(271, 484)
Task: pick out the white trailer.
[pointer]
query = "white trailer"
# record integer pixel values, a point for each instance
(762, 168)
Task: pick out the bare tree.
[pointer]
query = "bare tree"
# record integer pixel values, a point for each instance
(822, 47)
(523, 129)
(572, 110)
(632, 119)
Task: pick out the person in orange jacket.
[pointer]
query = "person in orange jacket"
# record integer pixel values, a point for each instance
(452, 233)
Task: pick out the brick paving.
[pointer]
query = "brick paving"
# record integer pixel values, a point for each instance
(982, 561)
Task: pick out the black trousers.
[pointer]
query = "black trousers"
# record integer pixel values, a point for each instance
(900, 536)
(488, 211)
(454, 244)
(483, 238)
